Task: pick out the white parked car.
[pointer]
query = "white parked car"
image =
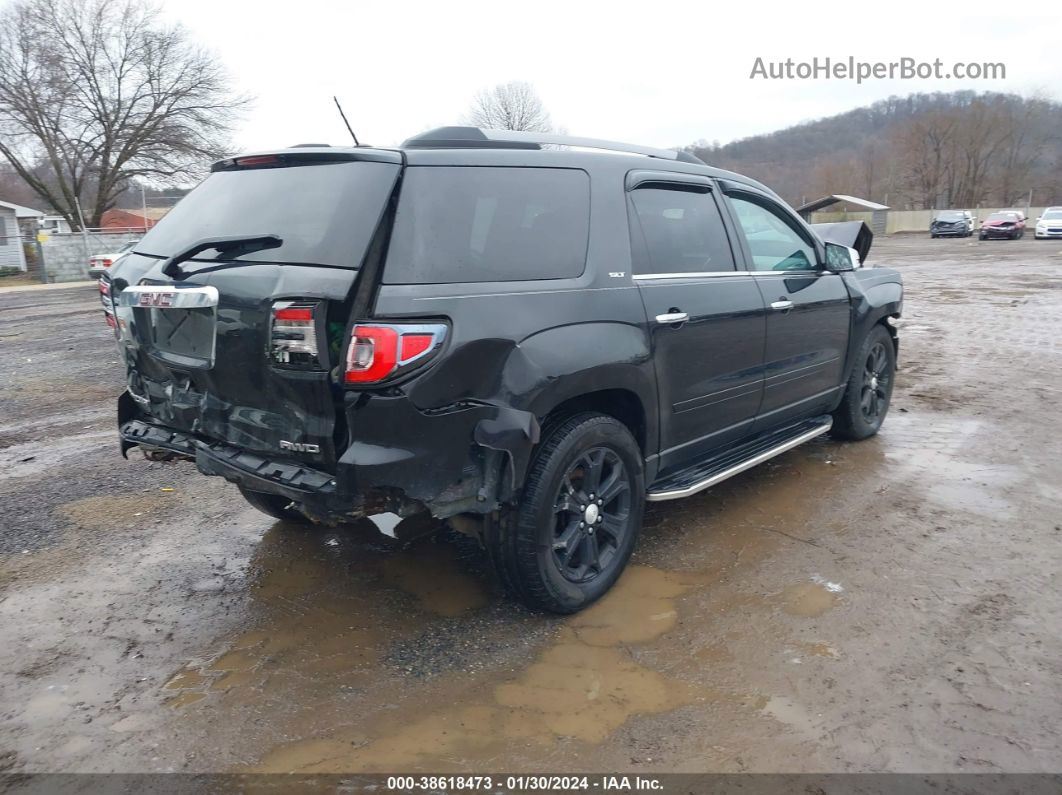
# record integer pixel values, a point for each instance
(99, 263)
(1049, 224)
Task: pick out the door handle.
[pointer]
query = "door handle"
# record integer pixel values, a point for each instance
(782, 305)
(668, 318)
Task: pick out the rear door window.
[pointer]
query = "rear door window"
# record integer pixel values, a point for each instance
(678, 230)
(489, 224)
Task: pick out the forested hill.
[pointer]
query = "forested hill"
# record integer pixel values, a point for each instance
(922, 150)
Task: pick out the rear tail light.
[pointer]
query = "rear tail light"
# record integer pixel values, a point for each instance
(293, 336)
(377, 352)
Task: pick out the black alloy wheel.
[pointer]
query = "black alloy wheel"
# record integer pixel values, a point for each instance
(877, 382)
(868, 392)
(592, 515)
(572, 531)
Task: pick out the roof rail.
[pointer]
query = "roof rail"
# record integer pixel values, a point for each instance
(476, 138)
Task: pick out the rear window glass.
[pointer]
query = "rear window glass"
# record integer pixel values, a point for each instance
(485, 224)
(325, 214)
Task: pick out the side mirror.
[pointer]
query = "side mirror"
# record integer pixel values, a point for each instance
(839, 258)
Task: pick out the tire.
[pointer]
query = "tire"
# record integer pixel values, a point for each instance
(980, 237)
(932, 236)
(274, 505)
(558, 550)
(869, 389)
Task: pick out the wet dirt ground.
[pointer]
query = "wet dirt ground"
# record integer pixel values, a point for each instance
(891, 605)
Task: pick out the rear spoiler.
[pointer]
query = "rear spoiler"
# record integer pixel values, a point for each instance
(854, 234)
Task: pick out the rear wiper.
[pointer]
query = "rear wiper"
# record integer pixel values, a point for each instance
(234, 246)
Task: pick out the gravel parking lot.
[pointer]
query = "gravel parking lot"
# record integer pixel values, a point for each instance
(891, 605)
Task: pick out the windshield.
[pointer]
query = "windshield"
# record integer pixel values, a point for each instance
(1052, 215)
(1003, 217)
(952, 216)
(325, 214)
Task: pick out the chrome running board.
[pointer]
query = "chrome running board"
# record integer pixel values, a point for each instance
(673, 488)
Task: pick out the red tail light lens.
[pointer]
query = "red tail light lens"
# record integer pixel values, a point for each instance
(378, 352)
(373, 354)
(413, 345)
(293, 336)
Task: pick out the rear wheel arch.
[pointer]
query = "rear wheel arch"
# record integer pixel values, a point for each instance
(622, 404)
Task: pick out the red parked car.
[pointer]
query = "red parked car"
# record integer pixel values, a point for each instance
(1010, 224)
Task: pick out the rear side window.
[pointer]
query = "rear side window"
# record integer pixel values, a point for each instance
(682, 232)
(487, 224)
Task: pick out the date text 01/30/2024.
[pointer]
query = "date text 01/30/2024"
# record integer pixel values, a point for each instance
(522, 783)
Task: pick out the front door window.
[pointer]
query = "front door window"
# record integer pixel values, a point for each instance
(773, 243)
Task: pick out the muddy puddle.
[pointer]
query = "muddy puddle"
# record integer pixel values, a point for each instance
(367, 651)
(808, 600)
(581, 687)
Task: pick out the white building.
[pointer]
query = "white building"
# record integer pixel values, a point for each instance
(11, 253)
(54, 225)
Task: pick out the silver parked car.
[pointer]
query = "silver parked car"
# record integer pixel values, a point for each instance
(99, 263)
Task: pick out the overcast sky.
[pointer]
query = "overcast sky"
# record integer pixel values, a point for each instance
(657, 73)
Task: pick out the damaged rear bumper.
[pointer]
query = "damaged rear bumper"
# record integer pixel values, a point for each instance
(396, 458)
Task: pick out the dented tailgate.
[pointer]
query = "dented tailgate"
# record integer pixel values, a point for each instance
(239, 350)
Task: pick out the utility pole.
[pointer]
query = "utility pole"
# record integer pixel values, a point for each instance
(84, 231)
(143, 207)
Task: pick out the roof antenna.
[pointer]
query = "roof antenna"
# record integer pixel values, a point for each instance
(341, 113)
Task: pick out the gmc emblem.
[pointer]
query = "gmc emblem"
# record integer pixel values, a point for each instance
(155, 299)
(299, 447)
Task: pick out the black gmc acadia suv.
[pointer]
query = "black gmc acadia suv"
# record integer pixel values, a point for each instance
(539, 338)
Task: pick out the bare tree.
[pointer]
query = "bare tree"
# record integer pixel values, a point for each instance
(1026, 131)
(923, 145)
(14, 189)
(510, 106)
(97, 93)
